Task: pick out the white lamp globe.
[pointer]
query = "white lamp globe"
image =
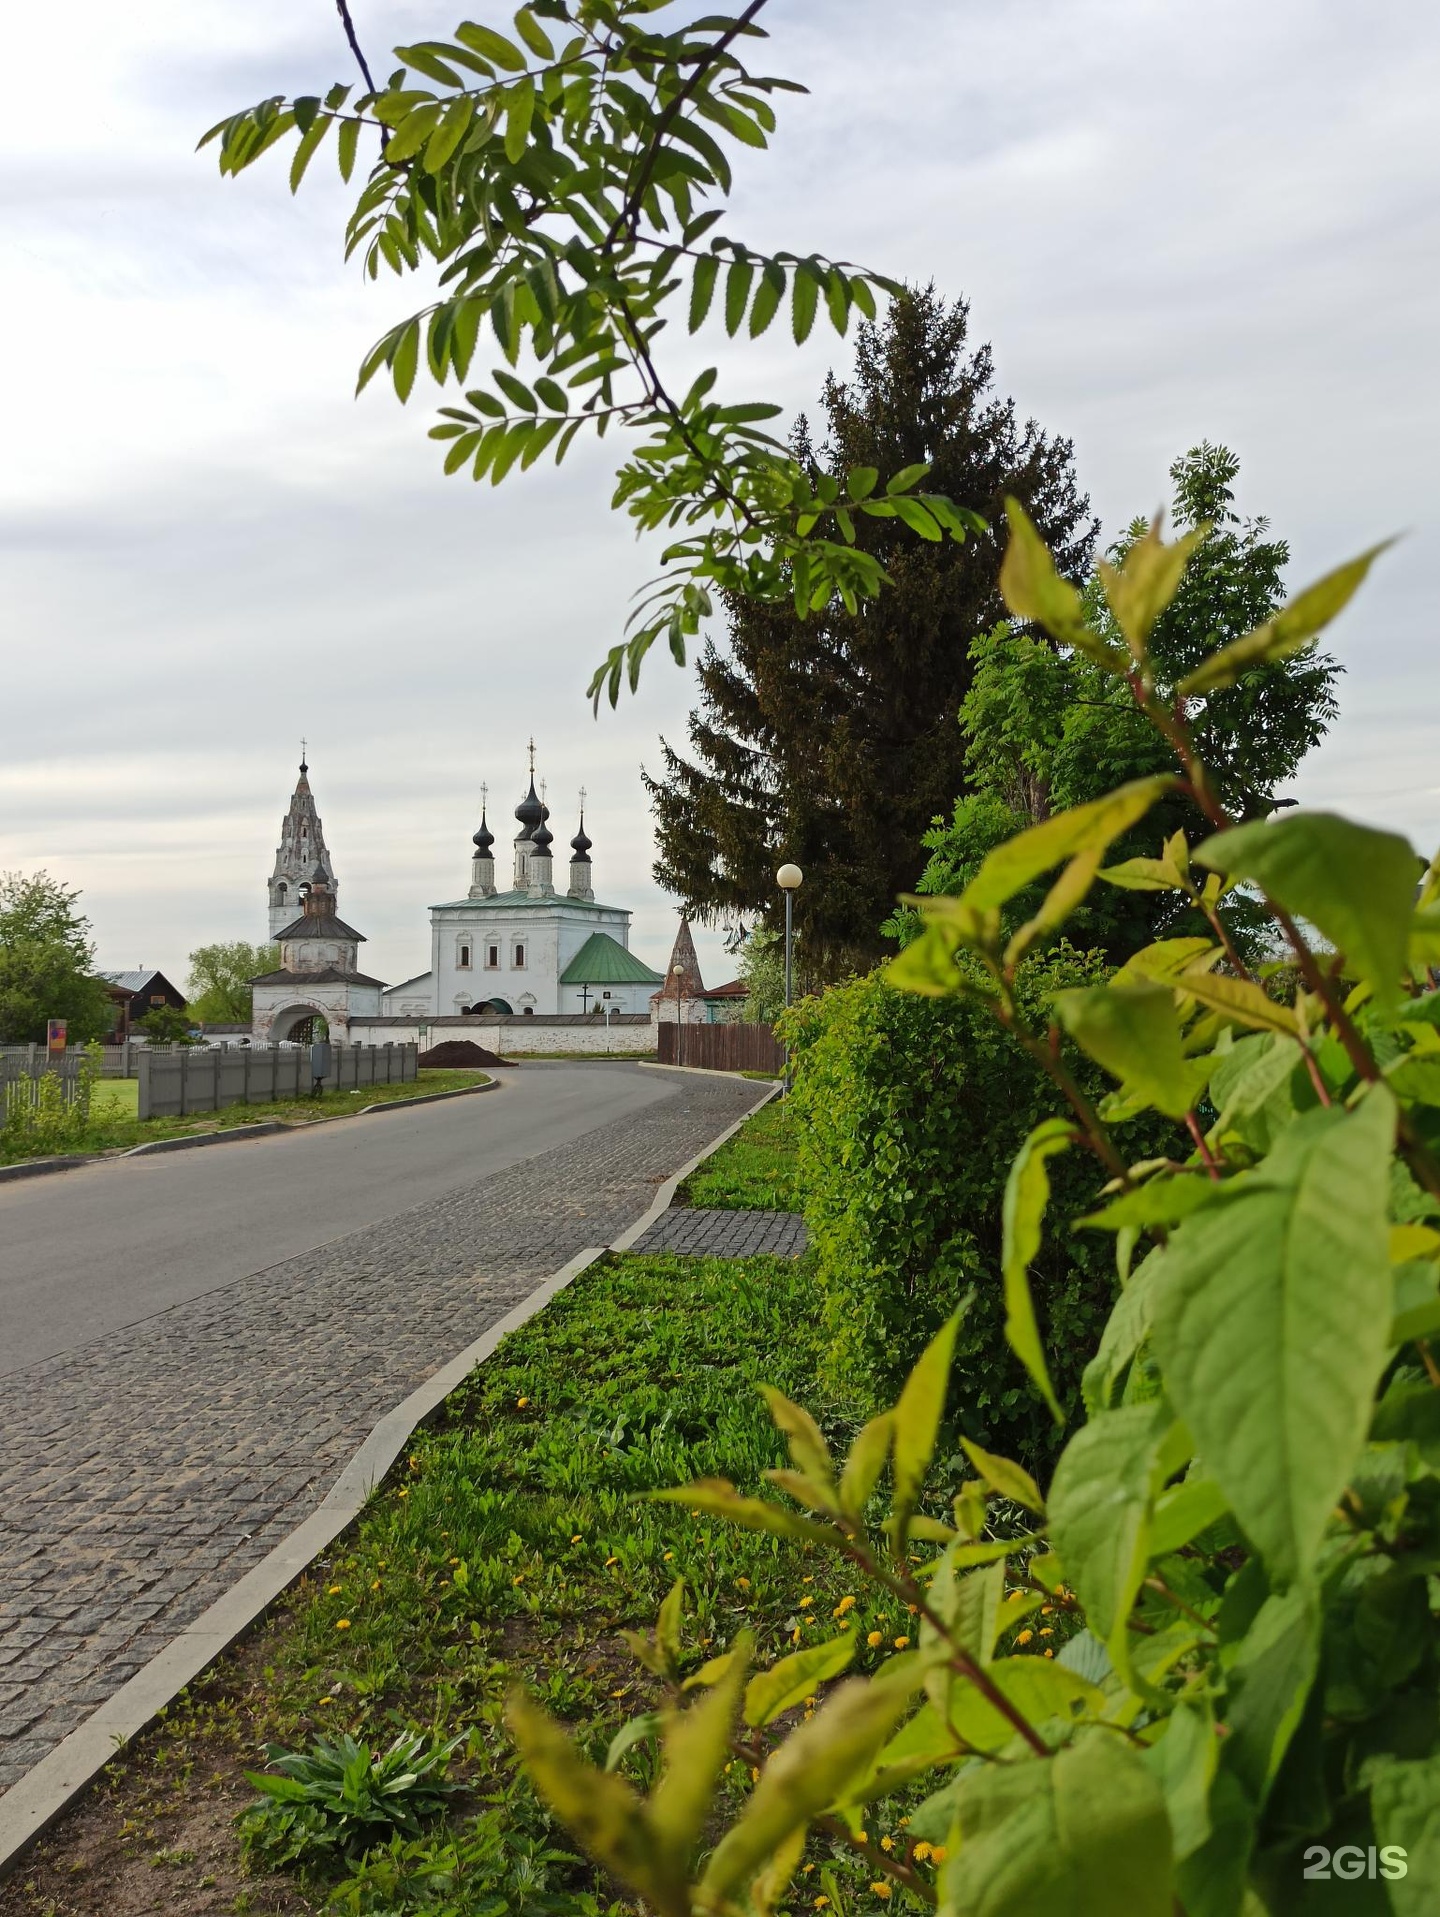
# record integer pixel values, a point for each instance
(789, 877)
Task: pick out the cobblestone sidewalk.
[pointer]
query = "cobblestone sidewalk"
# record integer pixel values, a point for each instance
(142, 1476)
(726, 1234)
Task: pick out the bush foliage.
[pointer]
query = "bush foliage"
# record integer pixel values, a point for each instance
(909, 1113)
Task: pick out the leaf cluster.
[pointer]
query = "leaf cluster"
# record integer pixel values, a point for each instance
(566, 184)
(1245, 1531)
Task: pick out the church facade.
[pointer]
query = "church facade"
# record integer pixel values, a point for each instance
(527, 949)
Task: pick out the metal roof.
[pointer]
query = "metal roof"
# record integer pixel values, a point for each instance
(602, 960)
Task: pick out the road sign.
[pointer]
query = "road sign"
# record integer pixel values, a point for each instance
(55, 1034)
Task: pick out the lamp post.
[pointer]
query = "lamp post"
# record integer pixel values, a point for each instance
(789, 878)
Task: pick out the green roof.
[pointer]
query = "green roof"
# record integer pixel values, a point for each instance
(602, 960)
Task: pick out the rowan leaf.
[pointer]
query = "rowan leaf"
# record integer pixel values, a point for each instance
(1091, 827)
(1034, 590)
(1292, 628)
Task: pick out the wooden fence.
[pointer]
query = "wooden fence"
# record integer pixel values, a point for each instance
(722, 1048)
(198, 1078)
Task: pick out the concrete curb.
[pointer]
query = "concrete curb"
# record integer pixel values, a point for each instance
(38, 1167)
(426, 1098)
(706, 1071)
(30, 1806)
(263, 1128)
(33, 1803)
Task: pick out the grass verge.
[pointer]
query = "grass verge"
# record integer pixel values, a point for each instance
(511, 1546)
(756, 1170)
(114, 1126)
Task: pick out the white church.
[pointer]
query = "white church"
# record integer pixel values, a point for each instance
(529, 950)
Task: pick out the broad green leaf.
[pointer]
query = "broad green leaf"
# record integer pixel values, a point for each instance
(1134, 1032)
(803, 1777)
(1027, 1192)
(719, 1496)
(1271, 1308)
(971, 1607)
(696, 1743)
(1101, 1499)
(1145, 582)
(1183, 1512)
(1238, 999)
(413, 132)
(917, 1421)
(768, 1890)
(808, 1449)
(865, 1463)
(1291, 628)
(1067, 892)
(907, 478)
(1143, 875)
(1037, 1688)
(1415, 1079)
(1166, 959)
(1405, 1804)
(1007, 1479)
(638, 1729)
(1084, 1835)
(597, 1807)
(1183, 1763)
(1417, 1305)
(669, 1622)
(450, 132)
(794, 1678)
(1356, 885)
(1160, 1201)
(1012, 866)
(1252, 1080)
(1033, 590)
(1126, 1330)
(1269, 1683)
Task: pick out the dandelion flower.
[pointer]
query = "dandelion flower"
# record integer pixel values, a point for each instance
(806, 1602)
(874, 1639)
(1045, 1631)
(334, 1591)
(577, 1539)
(938, 1854)
(821, 1902)
(743, 1583)
(845, 1604)
(453, 1560)
(1048, 1652)
(902, 1643)
(887, 1843)
(610, 1561)
(520, 1403)
(342, 1624)
(882, 1889)
(1024, 1637)
(922, 1851)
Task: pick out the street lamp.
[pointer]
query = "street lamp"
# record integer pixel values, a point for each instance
(789, 878)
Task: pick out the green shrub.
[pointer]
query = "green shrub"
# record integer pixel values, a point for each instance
(909, 1113)
(35, 1117)
(341, 1797)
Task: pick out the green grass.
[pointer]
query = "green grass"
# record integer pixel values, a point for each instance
(114, 1125)
(515, 1542)
(757, 1170)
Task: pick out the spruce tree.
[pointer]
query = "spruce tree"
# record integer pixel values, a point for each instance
(834, 741)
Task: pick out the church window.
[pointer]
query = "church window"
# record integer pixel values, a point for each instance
(492, 957)
(520, 956)
(529, 1011)
(463, 958)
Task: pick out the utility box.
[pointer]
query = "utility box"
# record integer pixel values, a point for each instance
(319, 1062)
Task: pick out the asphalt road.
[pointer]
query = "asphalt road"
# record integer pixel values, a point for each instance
(86, 1253)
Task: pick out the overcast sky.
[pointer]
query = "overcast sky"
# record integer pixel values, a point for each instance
(1172, 222)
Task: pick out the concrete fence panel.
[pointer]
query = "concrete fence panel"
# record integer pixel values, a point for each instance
(198, 1078)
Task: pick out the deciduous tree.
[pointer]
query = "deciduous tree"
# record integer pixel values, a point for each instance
(47, 962)
(220, 975)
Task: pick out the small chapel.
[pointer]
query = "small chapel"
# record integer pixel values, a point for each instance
(524, 948)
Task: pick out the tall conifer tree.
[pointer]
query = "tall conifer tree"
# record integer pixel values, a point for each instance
(833, 741)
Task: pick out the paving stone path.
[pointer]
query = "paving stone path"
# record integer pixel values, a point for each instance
(726, 1234)
(141, 1476)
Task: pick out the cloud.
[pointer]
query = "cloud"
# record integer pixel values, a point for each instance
(1171, 224)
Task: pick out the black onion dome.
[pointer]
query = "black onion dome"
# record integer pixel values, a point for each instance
(484, 838)
(530, 812)
(317, 877)
(542, 838)
(580, 845)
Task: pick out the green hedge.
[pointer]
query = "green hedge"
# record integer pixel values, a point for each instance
(909, 1112)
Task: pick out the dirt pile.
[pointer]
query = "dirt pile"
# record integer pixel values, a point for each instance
(457, 1055)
